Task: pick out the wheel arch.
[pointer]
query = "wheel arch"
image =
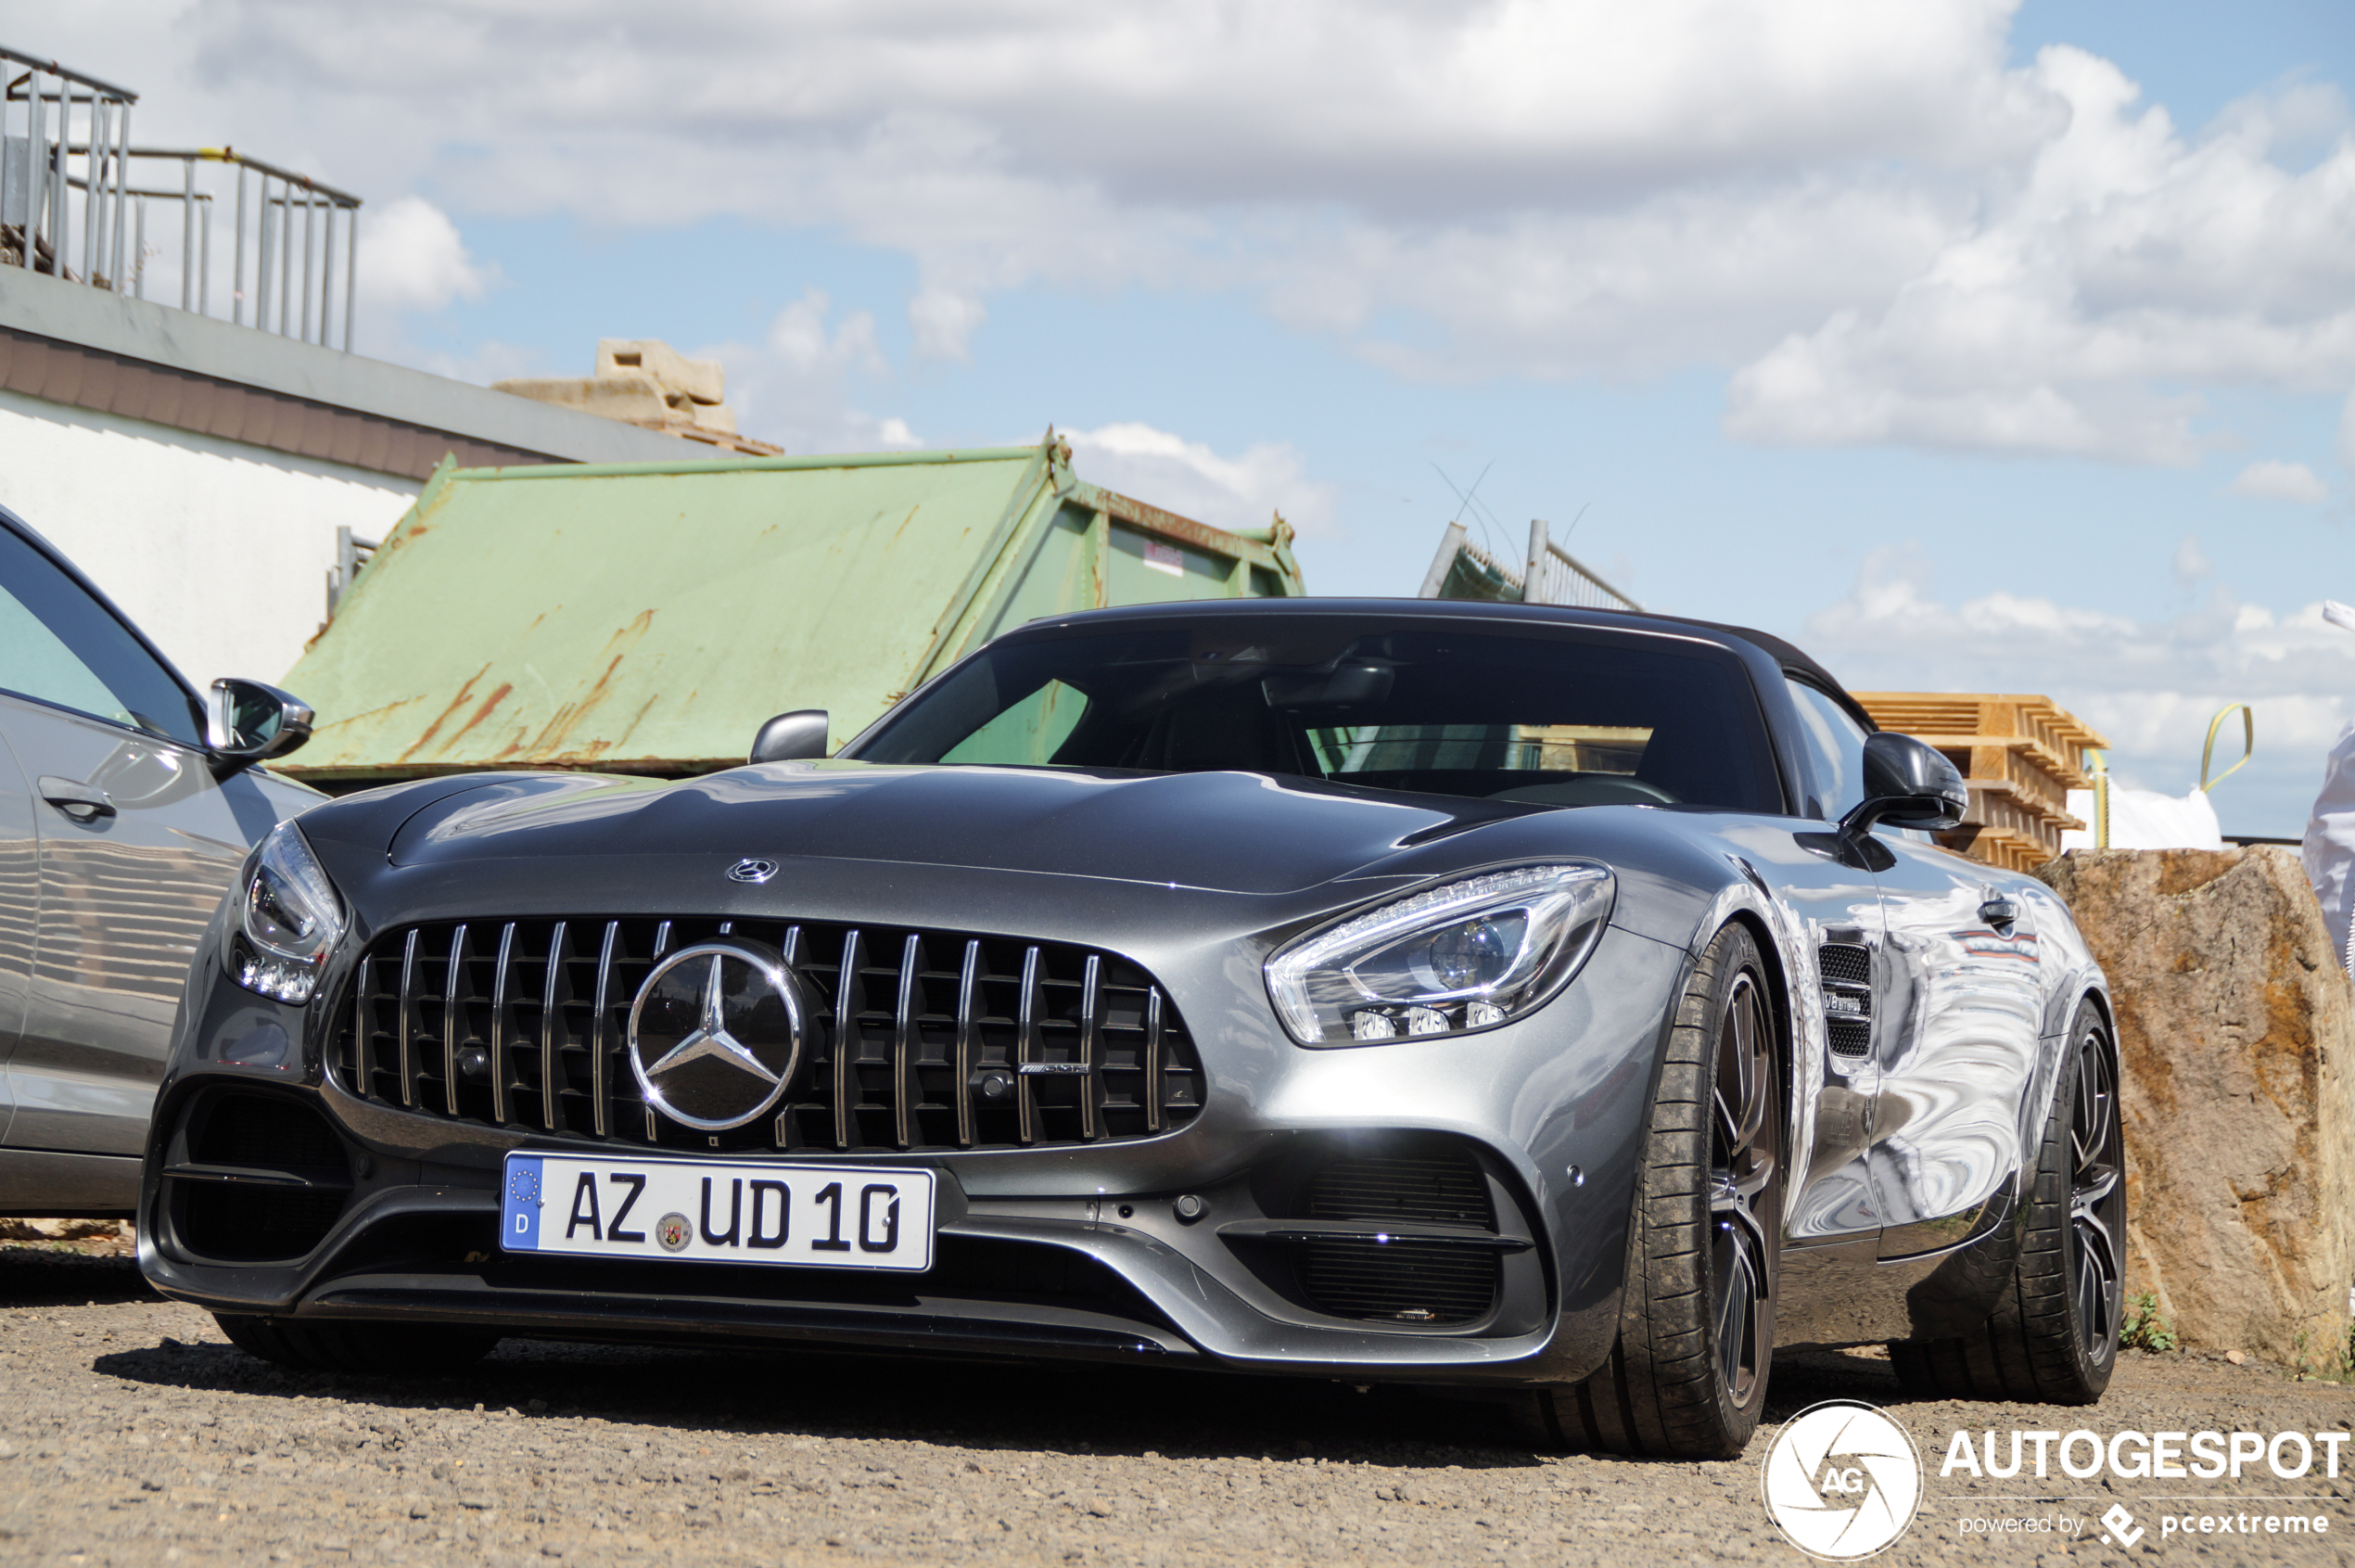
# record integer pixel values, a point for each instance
(2052, 1058)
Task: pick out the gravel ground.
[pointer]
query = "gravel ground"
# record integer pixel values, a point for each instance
(131, 1433)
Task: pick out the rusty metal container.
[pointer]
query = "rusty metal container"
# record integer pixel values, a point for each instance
(647, 617)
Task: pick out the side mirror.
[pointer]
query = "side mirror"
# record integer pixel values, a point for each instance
(248, 722)
(1908, 783)
(798, 737)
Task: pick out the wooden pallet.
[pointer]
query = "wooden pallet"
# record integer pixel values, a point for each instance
(2019, 754)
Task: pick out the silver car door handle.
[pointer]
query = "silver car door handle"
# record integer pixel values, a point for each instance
(1999, 911)
(84, 803)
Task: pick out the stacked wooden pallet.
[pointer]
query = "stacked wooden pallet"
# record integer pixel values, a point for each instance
(2020, 756)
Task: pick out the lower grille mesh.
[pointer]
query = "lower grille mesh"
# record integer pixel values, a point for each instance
(264, 1131)
(255, 1224)
(920, 1038)
(1402, 1282)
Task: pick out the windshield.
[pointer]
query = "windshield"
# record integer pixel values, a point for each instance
(1559, 720)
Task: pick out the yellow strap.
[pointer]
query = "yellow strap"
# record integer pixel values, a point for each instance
(2249, 744)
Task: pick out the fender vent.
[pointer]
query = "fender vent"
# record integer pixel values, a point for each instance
(1847, 969)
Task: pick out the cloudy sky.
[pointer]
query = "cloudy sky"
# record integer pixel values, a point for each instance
(1974, 344)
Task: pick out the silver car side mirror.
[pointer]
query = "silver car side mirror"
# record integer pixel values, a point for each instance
(1908, 783)
(248, 722)
(798, 737)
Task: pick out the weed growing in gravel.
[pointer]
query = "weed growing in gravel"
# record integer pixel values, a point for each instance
(2143, 1329)
(2336, 1358)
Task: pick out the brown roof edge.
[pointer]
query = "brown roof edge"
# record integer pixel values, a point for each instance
(104, 382)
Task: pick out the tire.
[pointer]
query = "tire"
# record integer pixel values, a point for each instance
(1687, 1377)
(2053, 1336)
(397, 1349)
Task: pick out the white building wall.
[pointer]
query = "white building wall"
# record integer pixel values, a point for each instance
(218, 551)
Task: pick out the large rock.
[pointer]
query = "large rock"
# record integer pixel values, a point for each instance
(2236, 1030)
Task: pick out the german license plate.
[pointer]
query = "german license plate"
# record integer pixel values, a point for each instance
(707, 1211)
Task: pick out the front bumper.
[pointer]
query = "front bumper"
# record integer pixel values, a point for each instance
(1066, 1251)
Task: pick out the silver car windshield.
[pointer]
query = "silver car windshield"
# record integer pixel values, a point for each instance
(1567, 720)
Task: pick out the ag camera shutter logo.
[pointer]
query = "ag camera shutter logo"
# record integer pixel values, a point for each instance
(1842, 1481)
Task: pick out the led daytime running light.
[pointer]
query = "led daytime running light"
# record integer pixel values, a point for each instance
(290, 919)
(1460, 956)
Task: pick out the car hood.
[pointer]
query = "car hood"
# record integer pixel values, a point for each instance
(1243, 833)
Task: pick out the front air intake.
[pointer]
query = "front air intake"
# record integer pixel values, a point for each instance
(1396, 1279)
(256, 1177)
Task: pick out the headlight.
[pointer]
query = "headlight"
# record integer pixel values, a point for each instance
(1463, 956)
(288, 920)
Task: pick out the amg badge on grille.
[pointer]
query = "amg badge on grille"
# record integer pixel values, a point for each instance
(716, 1034)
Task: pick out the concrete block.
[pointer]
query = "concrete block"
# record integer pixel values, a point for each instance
(608, 397)
(702, 380)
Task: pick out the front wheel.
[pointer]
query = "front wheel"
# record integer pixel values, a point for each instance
(1688, 1378)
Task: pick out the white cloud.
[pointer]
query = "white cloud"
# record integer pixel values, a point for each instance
(799, 339)
(1191, 479)
(1889, 232)
(1395, 106)
(2191, 562)
(2150, 687)
(944, 321)
(799, 388)
(2125, 262)
(412, 258)
(2281, 481)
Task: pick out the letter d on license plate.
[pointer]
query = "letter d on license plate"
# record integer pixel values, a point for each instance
(705, 1211)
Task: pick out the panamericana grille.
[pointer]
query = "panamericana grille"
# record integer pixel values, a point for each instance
(1402, 1281)
(920, 1038)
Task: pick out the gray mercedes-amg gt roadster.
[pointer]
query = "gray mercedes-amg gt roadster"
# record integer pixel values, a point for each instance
(1570, 1005)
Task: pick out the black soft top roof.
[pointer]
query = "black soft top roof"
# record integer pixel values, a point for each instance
(1793, 660)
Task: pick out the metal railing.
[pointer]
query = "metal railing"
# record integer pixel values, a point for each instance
(1554, 576)
(69, 208)
(1551, 575)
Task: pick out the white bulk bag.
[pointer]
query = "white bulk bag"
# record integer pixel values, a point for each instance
(2144, 819)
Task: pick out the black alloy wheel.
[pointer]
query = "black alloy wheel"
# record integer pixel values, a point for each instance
(1687, 1377)
(1745, 1163)
(2096, 1202)
(2055, 1270)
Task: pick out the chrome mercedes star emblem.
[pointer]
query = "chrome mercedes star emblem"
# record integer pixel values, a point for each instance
(714, 1034)
(752, 870)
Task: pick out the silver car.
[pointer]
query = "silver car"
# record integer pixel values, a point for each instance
(1562, 1004)
(127, 804)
